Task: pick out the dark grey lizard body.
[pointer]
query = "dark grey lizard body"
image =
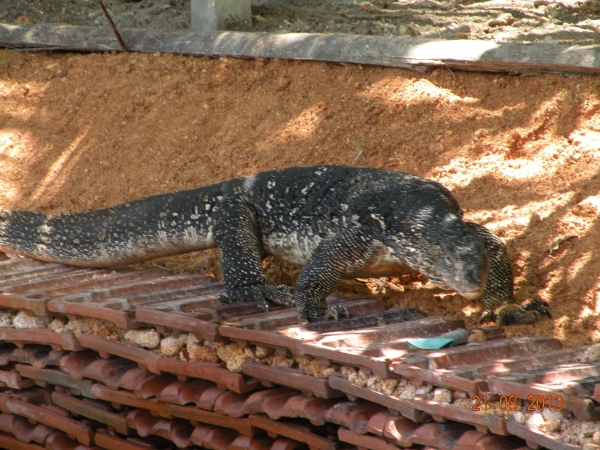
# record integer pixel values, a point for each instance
(335, 221)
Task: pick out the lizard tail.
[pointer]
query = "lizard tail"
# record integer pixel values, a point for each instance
(118, 235)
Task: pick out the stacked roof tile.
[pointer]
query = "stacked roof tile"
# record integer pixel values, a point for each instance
(123, 359)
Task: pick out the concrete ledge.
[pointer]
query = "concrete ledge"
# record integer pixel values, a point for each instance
(389, 51)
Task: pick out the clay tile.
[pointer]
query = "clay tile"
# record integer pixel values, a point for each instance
(230, 404)
(311, 408)
(183, 393)
(474, 440)
(153, 385)
(220, 438)
(208, 398)
(442, 435)
(354, 415)
(257, 401)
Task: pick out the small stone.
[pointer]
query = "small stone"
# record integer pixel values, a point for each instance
(535, 422)
(149, 339)
(519, 417)
(84, 325)
(225, 352)
(6, 318)
(423, 390)
(596, 438)
(592, 353)
(191, 339)
(551, 414)
(233, 355)
(346, 370)
(550, 425)
(408, 393)
(57, 325)
(441, 395)
(371, 381)
(107, 333)
(171, 346)
(24, 322)
(361, 382)
(201, 353)
(388, 385)
(279, 360)
(315, 368)
(263, 352)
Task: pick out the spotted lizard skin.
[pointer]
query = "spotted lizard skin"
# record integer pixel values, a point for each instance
(336, 221)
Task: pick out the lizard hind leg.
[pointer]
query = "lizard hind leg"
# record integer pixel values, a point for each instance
(236, 233)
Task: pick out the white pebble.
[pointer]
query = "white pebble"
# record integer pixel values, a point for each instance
(550, 426)
(535, 422)
(592, 353)
(442, 395)
(424, 389)
(171, 346)
(24, 322)
(519, 417)
(552, 414)
(146, 338)
(6, 318)
(408, 393)
(57, 325)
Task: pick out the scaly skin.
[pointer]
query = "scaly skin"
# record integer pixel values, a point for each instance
(335, 221)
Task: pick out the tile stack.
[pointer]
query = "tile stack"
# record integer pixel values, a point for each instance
(123, 359)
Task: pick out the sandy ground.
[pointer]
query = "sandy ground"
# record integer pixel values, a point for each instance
(563, 21)
(521, 154)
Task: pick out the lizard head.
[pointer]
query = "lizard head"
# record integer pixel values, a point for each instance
(447, 251)
(459, 258)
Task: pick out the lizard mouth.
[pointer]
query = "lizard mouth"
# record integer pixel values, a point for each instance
(472, 294)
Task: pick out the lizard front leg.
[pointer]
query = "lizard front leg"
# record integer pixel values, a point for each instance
(333, 257)
(497, 296)
(236, 233)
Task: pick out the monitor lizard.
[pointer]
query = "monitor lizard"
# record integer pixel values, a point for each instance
(335, 221)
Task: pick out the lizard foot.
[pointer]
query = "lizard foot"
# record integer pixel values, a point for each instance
(281, 295)
(332, 312)
(511, 313)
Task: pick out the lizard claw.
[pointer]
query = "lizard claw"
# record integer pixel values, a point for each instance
(512, 314)
(537, 304)
(335, 311)
(262, 303)
(224, 300)
(281, 295)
